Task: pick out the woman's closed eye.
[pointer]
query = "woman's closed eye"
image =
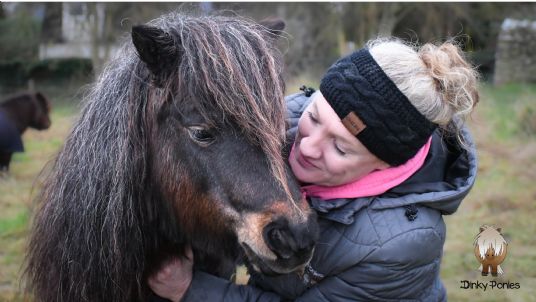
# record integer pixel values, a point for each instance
(339, 149)
(313, 118)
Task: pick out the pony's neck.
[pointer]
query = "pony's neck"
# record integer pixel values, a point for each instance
(20, 112)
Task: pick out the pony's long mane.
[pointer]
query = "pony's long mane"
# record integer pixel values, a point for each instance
(94, 223)
(489, 238)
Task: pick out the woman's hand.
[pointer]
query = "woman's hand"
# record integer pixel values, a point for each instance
(174, 278)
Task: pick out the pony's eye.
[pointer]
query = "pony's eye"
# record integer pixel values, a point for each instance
(200, 135)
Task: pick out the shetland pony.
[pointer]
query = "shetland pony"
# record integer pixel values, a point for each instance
(17, 113)
(179, 143)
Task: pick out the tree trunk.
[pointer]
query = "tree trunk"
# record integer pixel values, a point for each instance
(52, 22)
(94, 32)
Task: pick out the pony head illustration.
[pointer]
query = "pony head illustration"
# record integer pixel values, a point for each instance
(490, 250)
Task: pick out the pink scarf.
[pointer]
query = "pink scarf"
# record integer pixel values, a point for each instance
(375, 183)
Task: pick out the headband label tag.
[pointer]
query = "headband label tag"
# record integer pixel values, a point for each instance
(353, 123)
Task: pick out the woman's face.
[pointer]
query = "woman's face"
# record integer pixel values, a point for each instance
(325, 152)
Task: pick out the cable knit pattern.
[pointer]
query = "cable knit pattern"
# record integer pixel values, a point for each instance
(395, 130)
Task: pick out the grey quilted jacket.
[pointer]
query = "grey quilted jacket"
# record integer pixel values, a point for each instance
(382, 248)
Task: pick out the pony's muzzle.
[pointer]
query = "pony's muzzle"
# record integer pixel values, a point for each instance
(279, 243)
(288, 241)
(292, 243)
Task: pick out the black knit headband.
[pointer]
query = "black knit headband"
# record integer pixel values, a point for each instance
(374, 110)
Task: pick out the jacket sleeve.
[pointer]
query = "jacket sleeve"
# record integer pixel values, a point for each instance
(206, 287)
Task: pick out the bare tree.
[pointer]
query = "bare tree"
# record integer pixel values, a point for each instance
(109, 21)
(52, 21)
(391, 14)
(2, 12)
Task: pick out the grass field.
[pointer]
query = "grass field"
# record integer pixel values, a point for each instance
(19, 187)
(504, 194)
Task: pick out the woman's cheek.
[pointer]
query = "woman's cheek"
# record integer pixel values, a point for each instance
(334, 165)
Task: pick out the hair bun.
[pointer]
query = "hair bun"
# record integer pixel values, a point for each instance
(436, 79)
(454, 77)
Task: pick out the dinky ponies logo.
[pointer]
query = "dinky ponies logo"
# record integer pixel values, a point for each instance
(490, 250)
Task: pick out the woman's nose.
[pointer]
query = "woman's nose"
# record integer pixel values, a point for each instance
(310, 147)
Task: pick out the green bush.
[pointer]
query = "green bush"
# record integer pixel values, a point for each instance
(485, 62)
(60, 68)
(17, 73)
(13, 73)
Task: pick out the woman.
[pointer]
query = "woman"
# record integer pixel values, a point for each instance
(382, 154)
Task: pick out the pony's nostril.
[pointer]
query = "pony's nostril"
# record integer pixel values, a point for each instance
(276, 236)
(289, 241)
(279, 240)
(281, 243)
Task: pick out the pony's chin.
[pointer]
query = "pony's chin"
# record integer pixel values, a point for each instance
(271, 267)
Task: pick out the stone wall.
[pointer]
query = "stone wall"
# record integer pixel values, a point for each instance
(515, 58)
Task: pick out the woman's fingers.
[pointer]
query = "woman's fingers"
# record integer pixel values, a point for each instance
(174, 277)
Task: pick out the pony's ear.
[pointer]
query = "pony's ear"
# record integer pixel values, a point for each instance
(43, 101)
(482, 228)
(157, 49)
(499, 230)
(274, 25)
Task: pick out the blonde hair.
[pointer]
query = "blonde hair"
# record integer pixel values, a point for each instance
(437, 80)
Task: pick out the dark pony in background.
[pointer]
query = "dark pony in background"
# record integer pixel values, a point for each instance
(179, 143)
(17, 113)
